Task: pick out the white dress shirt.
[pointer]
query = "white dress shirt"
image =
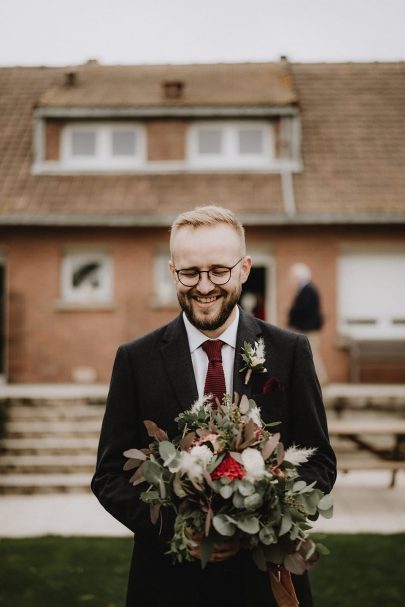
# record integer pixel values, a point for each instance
(200, 359)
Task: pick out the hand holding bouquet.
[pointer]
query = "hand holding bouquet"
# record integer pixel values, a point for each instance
(229, 479)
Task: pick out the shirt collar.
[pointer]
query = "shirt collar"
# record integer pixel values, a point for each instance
(196, 338)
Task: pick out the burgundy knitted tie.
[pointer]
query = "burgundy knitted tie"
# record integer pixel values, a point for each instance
(215, 380)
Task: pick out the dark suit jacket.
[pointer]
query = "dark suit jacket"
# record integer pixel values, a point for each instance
(305, 312)
(153, 379)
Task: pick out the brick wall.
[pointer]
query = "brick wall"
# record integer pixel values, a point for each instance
(46, 343)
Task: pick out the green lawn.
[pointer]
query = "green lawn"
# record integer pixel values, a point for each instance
(362, 571)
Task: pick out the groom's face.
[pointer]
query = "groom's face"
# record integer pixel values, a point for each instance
(209, 307)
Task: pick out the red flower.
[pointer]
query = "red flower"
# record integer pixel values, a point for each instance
(230, 468)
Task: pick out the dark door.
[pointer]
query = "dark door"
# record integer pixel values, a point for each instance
(253, 298)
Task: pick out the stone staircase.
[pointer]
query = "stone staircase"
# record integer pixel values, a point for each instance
(49, 445)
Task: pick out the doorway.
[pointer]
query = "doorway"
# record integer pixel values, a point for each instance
(258, 293)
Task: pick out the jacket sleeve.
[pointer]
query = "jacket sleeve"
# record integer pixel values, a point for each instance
(308, 425)
(118, 433)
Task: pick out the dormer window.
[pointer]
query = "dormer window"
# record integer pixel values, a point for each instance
(228, 144)
(98, 145)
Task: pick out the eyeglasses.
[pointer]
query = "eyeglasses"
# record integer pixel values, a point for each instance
(219, 275)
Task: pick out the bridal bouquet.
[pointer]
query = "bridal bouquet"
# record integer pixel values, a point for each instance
(227, 476)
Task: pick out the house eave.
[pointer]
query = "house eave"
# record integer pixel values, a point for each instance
(149, 220)
(214, 111)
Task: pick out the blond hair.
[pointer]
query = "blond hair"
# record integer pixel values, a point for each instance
(208, 215)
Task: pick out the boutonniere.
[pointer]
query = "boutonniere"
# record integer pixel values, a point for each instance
(254, 358)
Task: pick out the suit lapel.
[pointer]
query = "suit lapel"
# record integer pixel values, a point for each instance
(248, 330)
(177, 360)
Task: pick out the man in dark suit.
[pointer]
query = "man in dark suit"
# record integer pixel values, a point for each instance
(159, 375)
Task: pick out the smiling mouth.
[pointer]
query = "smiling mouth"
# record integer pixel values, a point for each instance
(207, 300)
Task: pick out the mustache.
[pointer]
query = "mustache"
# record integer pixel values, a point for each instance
(213, 293)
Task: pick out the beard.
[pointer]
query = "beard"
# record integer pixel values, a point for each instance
(229, 299)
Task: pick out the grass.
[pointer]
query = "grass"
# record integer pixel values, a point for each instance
(363, 570)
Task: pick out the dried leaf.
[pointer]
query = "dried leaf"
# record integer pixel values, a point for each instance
(132, 463)
(208, 479)
(154, 510)
(138, 474)
(236, 456)
(187, 441)
(280, 453)
(154, 431)
(270, 445)
(135, 454)
(244, 404)
(208, 521)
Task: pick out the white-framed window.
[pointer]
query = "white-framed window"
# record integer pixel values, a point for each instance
(371, 294)
(98, 145)
(87, 278)
(230, 144)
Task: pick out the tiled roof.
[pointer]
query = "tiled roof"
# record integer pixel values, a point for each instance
(353, 137)
(129, 86)
(353, 133)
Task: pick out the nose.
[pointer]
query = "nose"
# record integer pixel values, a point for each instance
(204, 285)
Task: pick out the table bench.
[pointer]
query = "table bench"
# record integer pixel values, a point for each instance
(360, 432)
(380, 352)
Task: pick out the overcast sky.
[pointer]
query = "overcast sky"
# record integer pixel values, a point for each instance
(62, 32)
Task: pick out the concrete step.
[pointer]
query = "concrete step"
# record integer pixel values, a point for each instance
(52, 412)
(43, 464)
(44, 483)
(66, 427)
(49, 444)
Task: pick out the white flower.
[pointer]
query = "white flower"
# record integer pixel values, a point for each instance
(200, 403)
(193, 462)
(257, 360)
(297, 456)
(259, 350)
(253, 463)
(254, 413)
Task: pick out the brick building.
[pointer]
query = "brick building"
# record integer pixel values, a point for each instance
(95, 162)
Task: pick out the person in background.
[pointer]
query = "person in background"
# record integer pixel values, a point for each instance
(305, 314)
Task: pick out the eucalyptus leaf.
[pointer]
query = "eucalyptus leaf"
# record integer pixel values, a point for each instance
(254, 501)
(259, 558)
(221, 524)
(206, 550)
(299, 486)
(246, 488)
(248, 524)
(294, 563)
(286, 524)
(226, 491)
(267, 535)
(326, 502)
(152, 472)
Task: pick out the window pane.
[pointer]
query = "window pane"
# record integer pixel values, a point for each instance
(250, 141)
(210, 141)
(123, 143)
(86, 275)
(83, 143)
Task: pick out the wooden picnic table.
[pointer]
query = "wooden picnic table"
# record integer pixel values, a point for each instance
(361, 434)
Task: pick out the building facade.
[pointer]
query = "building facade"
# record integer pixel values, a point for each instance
(96, 161)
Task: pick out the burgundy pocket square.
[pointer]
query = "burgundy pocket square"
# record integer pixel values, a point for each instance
(273, 384)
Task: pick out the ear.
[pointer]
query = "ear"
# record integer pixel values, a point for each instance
(245, 268)
(172, 272)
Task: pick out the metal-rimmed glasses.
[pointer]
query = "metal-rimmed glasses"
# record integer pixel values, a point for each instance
(218, 275)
